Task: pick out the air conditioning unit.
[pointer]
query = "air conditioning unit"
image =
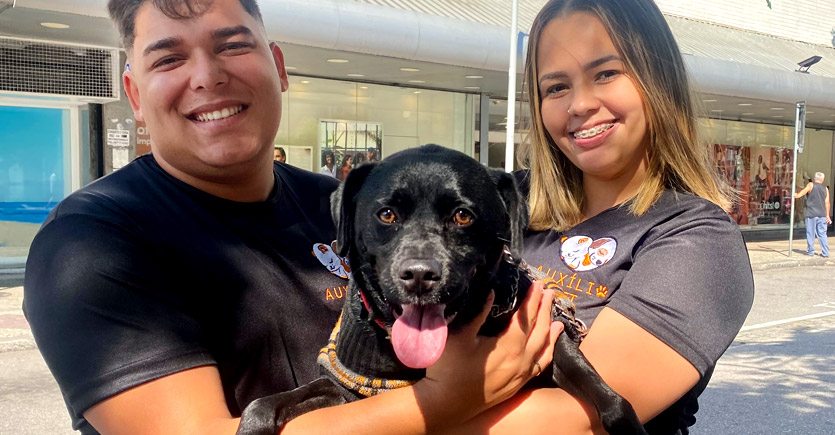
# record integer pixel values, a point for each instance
(34, 67)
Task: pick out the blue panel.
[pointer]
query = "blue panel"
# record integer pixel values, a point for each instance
(31, 162)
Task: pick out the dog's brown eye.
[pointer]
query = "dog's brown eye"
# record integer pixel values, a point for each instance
(387, 216)
(462, 217)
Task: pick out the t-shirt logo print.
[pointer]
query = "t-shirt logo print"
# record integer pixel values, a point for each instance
(584, 253)
(326, 254)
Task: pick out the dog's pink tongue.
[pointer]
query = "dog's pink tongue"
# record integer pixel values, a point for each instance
(419, 335)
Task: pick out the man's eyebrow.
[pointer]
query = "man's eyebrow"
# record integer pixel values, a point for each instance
(226, 32)
(591, 65)
(161, 44)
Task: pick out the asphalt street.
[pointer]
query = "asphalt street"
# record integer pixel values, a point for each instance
(778, 377)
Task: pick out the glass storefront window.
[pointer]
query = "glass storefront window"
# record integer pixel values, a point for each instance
(756, 159)
(34, 171)
(348, 118)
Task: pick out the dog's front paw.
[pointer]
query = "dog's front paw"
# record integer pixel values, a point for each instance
(267, 415)
(620, 419)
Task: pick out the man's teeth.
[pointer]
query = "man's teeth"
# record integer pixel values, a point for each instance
(219, 114)
(594, 131)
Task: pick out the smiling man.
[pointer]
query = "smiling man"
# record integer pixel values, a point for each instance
(169, 295)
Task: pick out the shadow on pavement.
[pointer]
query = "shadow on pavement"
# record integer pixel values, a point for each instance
(773, 381)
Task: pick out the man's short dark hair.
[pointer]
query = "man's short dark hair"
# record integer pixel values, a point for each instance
(123, 13)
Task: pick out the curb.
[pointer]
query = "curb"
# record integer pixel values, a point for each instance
(768, 265)
(16, 345)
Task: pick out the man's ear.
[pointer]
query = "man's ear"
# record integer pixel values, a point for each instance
(278, 58)
(343, 205)
(132, 92)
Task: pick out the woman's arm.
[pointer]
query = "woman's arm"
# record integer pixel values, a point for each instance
(639, 366)
(474, 374)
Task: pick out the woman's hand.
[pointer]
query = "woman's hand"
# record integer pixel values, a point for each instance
(476, 372)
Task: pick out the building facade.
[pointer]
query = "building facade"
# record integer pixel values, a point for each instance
(388, 75)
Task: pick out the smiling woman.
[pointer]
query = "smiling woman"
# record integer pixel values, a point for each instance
(626, 213)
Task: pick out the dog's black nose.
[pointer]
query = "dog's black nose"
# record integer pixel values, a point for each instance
(420, 276)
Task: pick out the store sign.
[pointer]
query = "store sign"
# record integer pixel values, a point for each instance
(143, 139)
(800, 126)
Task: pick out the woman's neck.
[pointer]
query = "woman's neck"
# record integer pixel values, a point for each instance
(604, 193)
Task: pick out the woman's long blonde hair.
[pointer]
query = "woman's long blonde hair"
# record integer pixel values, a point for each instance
(677, 159)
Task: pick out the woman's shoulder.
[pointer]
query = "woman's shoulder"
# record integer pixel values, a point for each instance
(688, 205)
(681, 213)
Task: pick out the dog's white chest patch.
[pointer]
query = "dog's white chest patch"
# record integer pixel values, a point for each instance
(326, 254)
(584, 253)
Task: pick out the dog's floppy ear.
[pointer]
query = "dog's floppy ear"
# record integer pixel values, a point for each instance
(343, 204)
(516, 207)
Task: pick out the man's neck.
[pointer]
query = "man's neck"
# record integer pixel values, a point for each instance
(250, 186)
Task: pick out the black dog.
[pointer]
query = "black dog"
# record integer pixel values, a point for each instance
(428, 232)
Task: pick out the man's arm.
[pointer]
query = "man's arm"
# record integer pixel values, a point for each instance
(805, 190)
(476, 374)
(828, 209)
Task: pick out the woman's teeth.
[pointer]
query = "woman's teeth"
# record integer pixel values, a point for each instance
(594, 131)
(219, 114)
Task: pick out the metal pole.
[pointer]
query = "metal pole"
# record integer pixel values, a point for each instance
(484, 130)
(799, 125)
(510, 143)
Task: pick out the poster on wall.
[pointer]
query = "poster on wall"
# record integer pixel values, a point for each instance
(119, 142)
(351, 142)
(770, 189)
(732, 165)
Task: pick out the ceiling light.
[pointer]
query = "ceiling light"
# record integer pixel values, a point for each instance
(717, 110)
(417, 81)
(777, 108)
(290, 68)
(338, 60)
(744, 104)
(474, 77)
(708, 101)
(416, 92)
(809, 111)
(55, 25)
(748, 114)
(828, 121)
(407, 69)
(363, 87)
(776, 116)
(355, 75)
(304, 82)
(471, 87)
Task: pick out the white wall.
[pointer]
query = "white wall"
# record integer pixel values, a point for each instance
(810, 21)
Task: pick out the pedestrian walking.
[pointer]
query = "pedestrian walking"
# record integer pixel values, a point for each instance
(817, 214)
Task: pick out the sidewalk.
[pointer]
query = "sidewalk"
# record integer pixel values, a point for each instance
(15, 334)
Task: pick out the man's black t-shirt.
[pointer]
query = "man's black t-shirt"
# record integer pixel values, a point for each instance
(140, 275)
